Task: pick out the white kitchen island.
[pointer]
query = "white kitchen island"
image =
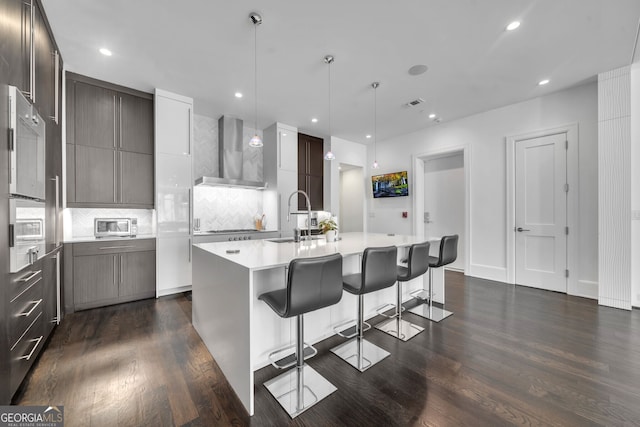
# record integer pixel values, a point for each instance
(240, 331)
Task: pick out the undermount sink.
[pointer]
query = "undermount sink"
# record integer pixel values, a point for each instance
(290, 239)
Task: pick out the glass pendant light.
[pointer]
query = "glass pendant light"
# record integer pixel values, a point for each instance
(375, 85)
(256, 19)
(328, 60)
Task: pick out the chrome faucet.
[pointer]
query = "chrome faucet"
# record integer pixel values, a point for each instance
(308, 210)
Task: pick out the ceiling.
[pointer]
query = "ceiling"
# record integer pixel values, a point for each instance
(205, 50)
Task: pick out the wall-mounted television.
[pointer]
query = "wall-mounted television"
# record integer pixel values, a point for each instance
(393, 184)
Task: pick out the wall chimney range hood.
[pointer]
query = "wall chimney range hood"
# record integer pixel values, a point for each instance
(230, 146)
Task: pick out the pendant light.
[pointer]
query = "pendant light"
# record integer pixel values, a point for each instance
(329, 60)
(256, 20)
(375, 85)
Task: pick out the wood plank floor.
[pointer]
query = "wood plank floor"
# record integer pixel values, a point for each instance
(508, 356)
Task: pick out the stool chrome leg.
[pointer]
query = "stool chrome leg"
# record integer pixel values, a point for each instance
(358, 352)
(428, 311)
(396, 326)
(301, 387)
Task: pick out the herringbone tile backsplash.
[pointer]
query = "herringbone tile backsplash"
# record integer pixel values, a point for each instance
(222, 208)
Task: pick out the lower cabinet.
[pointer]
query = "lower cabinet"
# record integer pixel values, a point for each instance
(111, 272)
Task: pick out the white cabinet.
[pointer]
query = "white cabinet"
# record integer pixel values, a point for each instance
(280, 171)
(174, 191)
(173, 262)
(287, 150)
(174, 114)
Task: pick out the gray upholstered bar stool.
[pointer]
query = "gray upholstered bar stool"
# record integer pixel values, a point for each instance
(417, 265)
(448, 254)
(312, 283)
(378, 272)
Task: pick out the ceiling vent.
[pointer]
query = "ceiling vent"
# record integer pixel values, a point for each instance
(415, 102)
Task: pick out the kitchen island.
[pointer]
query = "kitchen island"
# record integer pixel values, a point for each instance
(240, 331)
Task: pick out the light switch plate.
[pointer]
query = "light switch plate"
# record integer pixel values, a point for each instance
(635, 215)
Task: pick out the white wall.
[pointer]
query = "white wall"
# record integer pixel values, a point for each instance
(351, 200)
(347, 152)
(485, 134)
(635, 184)
(444, 200)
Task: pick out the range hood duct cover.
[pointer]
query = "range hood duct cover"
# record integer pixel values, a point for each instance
(230, 157)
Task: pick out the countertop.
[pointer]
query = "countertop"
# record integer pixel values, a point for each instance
(263, 254)
(85, 239)
(223, 232)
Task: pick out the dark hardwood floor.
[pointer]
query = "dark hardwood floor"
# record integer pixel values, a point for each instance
(508, 356)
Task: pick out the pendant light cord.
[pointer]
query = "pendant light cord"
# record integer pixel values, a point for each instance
(330, 100)
(375, 123)
(255, 85)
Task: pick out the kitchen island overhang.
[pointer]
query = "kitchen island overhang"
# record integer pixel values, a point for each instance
(240, 331)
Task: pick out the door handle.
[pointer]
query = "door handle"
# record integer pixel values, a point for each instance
(520, 229)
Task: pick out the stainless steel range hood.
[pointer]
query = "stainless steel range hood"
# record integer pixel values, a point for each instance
(230, 146)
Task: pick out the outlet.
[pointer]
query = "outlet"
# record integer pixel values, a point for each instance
(372, 214)
(635, 215)
(405, 214)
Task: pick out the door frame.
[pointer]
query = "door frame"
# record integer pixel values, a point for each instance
(418, 188)
(572, 247)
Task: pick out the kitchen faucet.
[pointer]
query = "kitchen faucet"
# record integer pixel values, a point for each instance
(308, 210)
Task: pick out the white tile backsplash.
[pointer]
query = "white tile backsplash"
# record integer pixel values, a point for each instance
(78, 222)
(223, 208)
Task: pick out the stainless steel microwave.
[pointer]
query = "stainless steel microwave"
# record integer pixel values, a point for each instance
(26, 232)
(115, 227)
(27, 148)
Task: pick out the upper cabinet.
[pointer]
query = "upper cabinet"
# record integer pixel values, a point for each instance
(310, 171)
(110, 145)
(287, 150)
(174, 113)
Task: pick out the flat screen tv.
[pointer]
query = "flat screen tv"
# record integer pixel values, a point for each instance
(390, 185)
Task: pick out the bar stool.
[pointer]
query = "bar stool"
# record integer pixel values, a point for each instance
(448, 254)
(378, 272)
(312, 283)
(417, 265)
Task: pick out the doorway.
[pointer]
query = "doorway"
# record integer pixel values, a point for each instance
(542, 201)
(444, 202)
(352, 201)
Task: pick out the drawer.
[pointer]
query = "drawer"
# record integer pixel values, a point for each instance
(24, 308)
(25, 351)
(24, 280)
(113, 246)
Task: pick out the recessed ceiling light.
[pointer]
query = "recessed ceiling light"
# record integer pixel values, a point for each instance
(105, 51)
(314, 120)
(238, 95)
(513, 25)
(416, 70)
(432, 116)
(368, 136)
(543, 82)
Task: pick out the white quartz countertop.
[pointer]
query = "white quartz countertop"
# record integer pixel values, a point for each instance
(85, 239)
(263, 254)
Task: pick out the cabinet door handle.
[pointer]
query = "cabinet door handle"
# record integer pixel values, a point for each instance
(56, 211)
(120, 178)
(31, 276)
(116, 247)
(114, 121)
(56, 84)
(28, 313)
(121, 269)
(120, 123)
(32, 54)
(189, 203)
(189, 248)
(115, 176)
(115, 270)
(33, 350)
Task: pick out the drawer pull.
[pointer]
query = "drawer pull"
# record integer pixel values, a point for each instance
(33, 350)
(116, 247)
(28, 313)
(26, 289)
(31, 276)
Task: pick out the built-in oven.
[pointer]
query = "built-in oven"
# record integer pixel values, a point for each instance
(26, 232)
(27, 148)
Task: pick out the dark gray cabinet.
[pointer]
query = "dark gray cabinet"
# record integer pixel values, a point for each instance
(310, 171)
(110, 272)
(110, 145)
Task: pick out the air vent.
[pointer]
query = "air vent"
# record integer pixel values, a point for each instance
(415, 102)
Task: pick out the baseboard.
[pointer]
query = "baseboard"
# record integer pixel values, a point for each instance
(614, 303)
(585, 289)
(165, 292)
(489, 272)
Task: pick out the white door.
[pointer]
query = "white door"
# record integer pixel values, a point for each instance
(541, 212)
